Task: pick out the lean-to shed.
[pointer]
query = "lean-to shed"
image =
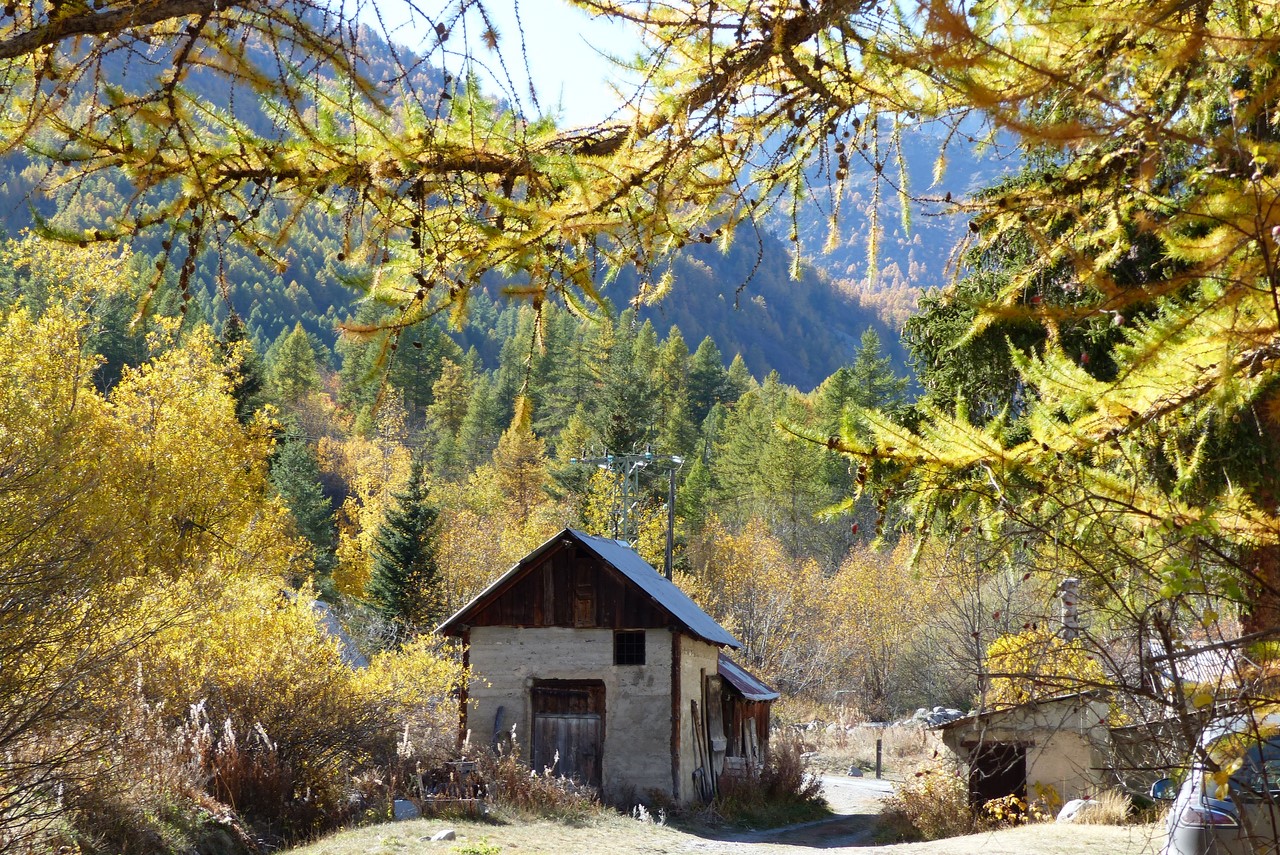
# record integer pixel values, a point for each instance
(605, 669)
(1048, 747)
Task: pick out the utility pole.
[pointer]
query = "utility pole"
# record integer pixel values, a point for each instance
(630, 467)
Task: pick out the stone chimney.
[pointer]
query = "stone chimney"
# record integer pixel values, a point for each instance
(1069, 591)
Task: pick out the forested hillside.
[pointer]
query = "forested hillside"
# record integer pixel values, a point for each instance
(748, 298)
(744, 298)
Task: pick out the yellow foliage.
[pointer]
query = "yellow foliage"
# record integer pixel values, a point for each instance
(374, 468)
(1037, 664)
(774, 605)
(878, 604)
(520, 465)
(66, 275)
(481, 535)
(124, 518)
(417, 682)
(648, 520)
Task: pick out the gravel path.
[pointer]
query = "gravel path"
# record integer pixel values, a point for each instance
(855, 801)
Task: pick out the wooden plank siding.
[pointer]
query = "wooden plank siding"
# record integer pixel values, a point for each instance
(571, 588)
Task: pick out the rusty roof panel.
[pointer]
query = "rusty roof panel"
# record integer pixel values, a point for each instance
(744, 681)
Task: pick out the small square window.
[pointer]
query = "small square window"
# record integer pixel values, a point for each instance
(628, 647)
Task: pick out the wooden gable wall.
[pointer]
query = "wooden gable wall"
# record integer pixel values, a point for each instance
(571, 587)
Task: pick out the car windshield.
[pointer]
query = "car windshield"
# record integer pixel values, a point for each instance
(1259, 773)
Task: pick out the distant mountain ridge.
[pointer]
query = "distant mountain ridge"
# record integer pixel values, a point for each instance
(745, 298)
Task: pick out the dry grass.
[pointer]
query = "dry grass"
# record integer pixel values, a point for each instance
(835, 747)
(619, 835)
(1108, 808)
(932, 804)
(781, 793)
(534, 793)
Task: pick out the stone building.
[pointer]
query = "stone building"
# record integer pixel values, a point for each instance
(607, 672)
(1049, 747)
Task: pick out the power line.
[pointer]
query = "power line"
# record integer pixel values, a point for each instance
(630, 467)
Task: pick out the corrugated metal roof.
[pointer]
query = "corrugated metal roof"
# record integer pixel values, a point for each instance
(744, 681)
(977, 715)
(628, 562)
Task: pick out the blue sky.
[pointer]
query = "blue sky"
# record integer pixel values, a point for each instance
(562, 49)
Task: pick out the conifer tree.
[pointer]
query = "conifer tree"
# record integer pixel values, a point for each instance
(707, 379)
(694, 495)
(291, 366)
(520, 463)
(480, 427)
(625, 403)
(403, 584)
(738, 380)
(296, 479)
(677, 431)
(247, 377)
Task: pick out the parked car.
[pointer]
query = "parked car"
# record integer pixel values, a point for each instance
(1244, 817)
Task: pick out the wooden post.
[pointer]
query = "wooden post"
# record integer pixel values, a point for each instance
(879, 747)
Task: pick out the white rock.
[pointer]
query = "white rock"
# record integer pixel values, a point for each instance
(855, 772)
(447, 834)
(404, 809)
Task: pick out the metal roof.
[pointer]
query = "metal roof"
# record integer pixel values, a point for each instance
(628, 562)
(990, 712)
(744, 681)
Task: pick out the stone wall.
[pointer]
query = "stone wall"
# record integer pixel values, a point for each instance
(697, 659)
(1065, 741)
(506, 661)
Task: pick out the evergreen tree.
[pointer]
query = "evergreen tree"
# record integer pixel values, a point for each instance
(403, 584)
(291, 366)
(694, 495)
(416, 365)
(738, 380)
(449, 399)
(296, 479)
(625, 404)
(244, 366)
(520, 464)
(677, 431)
(479, 431)
(738, 457)
(707, 379)
(874, 381)
(792, 489)
(117, 339)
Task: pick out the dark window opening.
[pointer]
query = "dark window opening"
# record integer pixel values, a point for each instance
(628, 648)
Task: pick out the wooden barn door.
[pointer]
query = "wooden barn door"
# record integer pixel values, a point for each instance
(568, 720)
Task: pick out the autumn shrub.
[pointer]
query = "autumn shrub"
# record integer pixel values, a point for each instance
(933, 803)
(279, 724)
(516, 788)
(140, 793)
(783, 790)
(416, 687)
(1011, 810)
